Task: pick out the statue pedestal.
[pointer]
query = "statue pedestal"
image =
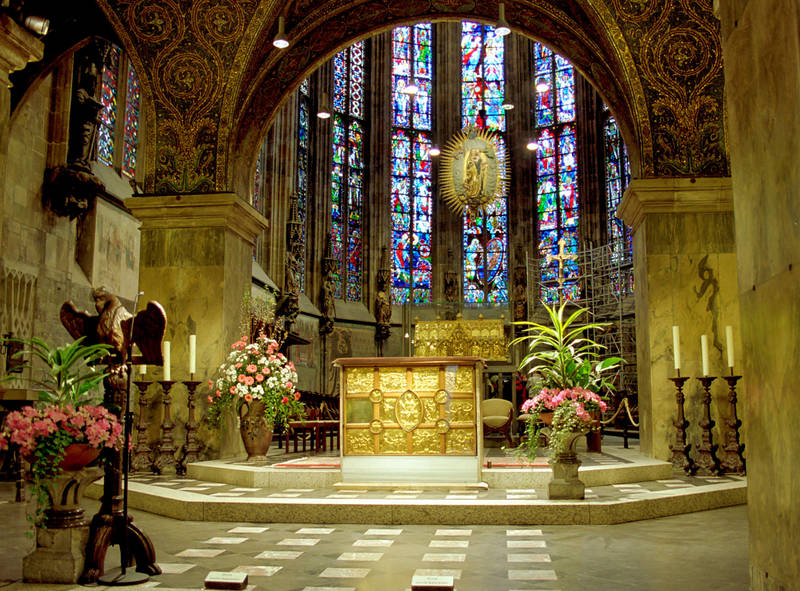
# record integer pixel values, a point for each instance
(59, 556)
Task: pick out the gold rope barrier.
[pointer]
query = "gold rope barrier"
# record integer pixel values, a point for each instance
(627, 406)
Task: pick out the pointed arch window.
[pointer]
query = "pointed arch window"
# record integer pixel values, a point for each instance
(617, 176)
(485, 235)
(303, 149)
(411, 199)
(118, 129)
(347, 175)
(557, 172)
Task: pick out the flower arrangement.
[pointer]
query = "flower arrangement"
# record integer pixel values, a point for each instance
(255, 371)
(66, 413)
(568, 366)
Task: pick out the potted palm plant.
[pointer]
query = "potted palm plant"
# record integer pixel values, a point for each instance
(66, 429)
(572, 374)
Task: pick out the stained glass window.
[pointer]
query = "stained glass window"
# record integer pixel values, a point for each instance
(303, 146)
(617, 175)
(108, 114)
(120, 97)
(485, 236)
(131, 133)
(347, 175)
(557, 174)
(411, 200)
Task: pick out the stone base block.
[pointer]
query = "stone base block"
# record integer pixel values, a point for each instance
(565, 483)
(59, 556)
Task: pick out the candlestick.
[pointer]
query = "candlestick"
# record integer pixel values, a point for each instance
(707, 461)
(165, 457)
(732, 460)
(680, 449)
(167, 362)
(729, 342)
(142, 369)
(192, 353)
(676, 347)
(192, 448)
(141, 460)
(704, 353)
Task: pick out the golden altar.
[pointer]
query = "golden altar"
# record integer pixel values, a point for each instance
(480, 337)
(410, 419)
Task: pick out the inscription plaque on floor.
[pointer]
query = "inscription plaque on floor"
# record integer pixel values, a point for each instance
(423, 412)
(222, 580)
(431, 583)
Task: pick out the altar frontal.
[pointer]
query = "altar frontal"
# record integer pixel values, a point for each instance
(410, 419)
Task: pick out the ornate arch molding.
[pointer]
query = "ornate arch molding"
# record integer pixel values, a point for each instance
(573, 27)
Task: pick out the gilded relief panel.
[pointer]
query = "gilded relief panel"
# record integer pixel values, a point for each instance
(358, 442)
(393, 379)
(431, 410)
(462, 411)
(426, 379)
(393, 441)
(360, 379)
(427, 442)
(461, 441)
(387, 410)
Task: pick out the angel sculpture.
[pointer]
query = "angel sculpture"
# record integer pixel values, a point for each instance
(112, 326)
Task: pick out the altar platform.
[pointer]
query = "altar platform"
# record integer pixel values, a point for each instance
(622, 486)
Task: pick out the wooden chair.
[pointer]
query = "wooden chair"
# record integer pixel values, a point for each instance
(497, 414)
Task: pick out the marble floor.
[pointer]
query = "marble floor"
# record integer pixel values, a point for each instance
(698, 551)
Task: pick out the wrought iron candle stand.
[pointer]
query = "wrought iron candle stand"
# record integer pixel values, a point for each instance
(707, 461)
(680, 449)
(142, 453)
(732, 460)
(192, 450)
(165, 457)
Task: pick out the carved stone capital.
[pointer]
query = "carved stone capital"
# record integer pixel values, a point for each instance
(17, 48)
(674, 195)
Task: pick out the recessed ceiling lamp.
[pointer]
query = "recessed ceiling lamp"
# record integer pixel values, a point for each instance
(532, 145)
(435, 151)
(502, 27)
(507, 106)
(324, 111)
(280, 40)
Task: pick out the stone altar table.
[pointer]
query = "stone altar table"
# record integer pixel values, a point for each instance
(410, 419)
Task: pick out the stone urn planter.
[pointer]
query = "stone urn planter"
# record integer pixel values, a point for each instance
(255, 430)
(565, 483)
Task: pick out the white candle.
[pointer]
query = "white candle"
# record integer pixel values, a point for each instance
(704, 353)
(729, 342)
(192, 354)
(167, 372)
(142, 369)
(676, 347)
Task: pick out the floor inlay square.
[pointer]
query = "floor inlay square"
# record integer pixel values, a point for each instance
(284, 495)
(383, 532)
(361, 556)
(453, 532)
(278, 555)
(245, 489)
(449, 544)
(374, 543)
(523, 532)
(316, 530)
(257, 571)
(526, 544)
(438, 572)
(529, 558)
(345, 573)
(200, 552)
(222, 540)
(227, 494)
(194, 488)
(436, 557)
(532, 575)
(247, 529)
(298, 542)
(174, 568)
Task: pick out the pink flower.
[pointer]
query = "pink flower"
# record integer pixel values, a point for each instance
(259, 378)
(297, 395)
(289, 385)
(237, 365)
(291, 365)
(210, 399)
(241, 378)
(248, 398)
(266, 371)
(232, 389)
(210, 385)
(249, 380)
(285, 400)
(219, 394)
(252, 368)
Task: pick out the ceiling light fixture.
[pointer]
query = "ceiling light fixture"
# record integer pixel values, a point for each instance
(507, 106)
(502, 27)
(435, 151)
(532, 145)
(542, 85)
(410, 88)
(280, 40)
(324, 111)
(37, 24)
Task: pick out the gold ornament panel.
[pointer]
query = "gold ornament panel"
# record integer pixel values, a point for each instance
(360, 379)
(460, 441)
(427, 442)
(480, 337)
(358, 442)
(392, 379)
(394, 442)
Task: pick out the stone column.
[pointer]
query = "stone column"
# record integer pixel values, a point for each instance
(17, 48)
(196, 260)
(685, 273)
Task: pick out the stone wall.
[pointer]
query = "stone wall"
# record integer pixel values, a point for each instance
(762, 71)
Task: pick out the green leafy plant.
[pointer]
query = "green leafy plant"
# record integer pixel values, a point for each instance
(572, 375)
(66, 412)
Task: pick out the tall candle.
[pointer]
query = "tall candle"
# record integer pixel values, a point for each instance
(729, 342)
(676, 347)
(142, 369)
(704, 353)
(167, 369)
(192, 353)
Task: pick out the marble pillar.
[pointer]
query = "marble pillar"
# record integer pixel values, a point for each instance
(685, 274)
(196, 260)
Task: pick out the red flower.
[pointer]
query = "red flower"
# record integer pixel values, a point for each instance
(285, 400)
(297, 395)
(210, 399)
(248, 398)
